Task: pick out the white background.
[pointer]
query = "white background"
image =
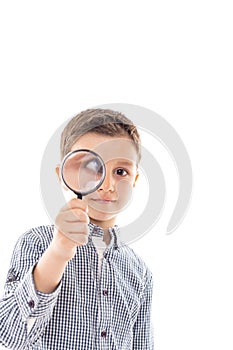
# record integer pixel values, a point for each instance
(174, 57)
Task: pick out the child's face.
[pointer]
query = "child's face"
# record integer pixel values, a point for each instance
(120, 158)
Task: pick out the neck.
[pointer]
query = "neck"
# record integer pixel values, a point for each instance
(105, 225)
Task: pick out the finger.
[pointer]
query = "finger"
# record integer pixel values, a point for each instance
(77, 203)
(75, 215)
(79, 239)
(74, 228)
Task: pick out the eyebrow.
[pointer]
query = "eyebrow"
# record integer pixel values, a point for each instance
(126, 162)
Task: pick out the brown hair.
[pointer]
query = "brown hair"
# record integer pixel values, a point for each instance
(100, 121)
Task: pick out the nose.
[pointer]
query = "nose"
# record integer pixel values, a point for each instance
(108, 184)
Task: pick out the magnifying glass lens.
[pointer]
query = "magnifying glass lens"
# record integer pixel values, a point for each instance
(83, 171)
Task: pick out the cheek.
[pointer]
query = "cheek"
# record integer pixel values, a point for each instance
(124, 189)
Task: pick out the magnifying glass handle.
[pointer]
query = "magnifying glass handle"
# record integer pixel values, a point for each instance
(79, 196)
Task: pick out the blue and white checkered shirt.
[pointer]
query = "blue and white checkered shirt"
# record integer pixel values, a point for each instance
(87, 311)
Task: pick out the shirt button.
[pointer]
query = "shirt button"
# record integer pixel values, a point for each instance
(103, 334)
(11, 277)
(105, 292)
(31, 304)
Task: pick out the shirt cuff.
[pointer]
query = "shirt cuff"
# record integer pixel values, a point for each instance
(31, 302)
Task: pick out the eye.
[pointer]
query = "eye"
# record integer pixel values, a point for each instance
(94, 165)
(121, 172)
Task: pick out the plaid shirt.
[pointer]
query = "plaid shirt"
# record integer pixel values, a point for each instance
(86, 311)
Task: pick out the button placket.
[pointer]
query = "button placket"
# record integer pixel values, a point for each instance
(104, 300)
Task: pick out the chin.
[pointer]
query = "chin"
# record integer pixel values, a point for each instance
(100, 216)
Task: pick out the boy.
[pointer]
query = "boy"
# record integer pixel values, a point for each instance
(75, 285)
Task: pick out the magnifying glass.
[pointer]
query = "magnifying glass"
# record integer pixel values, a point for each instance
(83, 171)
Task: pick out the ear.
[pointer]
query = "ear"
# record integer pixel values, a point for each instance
(57, 169)
(135, 179)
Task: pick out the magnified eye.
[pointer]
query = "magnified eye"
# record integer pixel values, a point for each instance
(94, 165)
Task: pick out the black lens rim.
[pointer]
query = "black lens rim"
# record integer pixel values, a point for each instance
(80, 194)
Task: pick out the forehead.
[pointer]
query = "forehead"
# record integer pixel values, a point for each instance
(108, 147)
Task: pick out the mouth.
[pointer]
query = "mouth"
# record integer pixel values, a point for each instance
(103, 201)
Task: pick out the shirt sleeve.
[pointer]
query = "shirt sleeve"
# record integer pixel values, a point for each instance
(21, 302)
(143, 338)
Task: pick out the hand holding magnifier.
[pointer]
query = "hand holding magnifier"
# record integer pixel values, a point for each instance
(83, 171)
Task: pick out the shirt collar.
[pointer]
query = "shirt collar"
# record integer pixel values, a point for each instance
(97, 231)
